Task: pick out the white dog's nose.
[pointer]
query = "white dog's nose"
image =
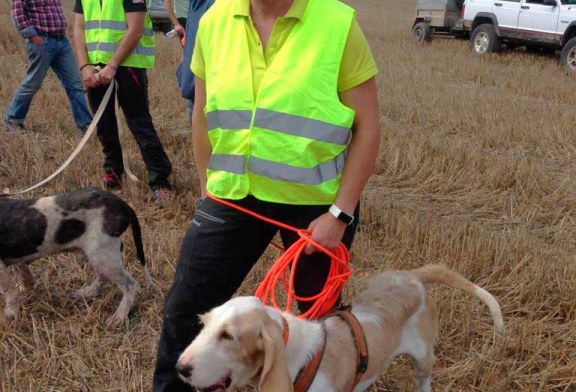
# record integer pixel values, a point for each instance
(185, 370)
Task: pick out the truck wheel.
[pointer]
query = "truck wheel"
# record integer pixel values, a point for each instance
(484, 40)
(568, 56)
(422, 32)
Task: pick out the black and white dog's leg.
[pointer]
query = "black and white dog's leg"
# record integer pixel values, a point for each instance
(107, 260)
(24, 275)
(91, 290)
(12, 295)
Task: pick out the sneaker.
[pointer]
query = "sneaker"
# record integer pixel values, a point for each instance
(12, 125)
(162, 196)
(111, 180)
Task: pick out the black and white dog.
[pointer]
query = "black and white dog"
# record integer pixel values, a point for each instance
(89, 221)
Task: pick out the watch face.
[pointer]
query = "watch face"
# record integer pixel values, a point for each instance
(341, 215)
(344, 217)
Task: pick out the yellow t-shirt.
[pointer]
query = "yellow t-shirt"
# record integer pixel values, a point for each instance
(357, 65)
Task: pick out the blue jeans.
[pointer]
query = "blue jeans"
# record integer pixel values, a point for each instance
(55, 53)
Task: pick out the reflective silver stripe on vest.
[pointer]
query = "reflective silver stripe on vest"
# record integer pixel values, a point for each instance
(112, 48)
(302, 126)
(111, 25)
(313, 176)
(229, 163)
(229, 119)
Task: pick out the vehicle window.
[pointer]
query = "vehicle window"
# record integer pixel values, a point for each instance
(535, 1)
(513, 1)
(568, 1)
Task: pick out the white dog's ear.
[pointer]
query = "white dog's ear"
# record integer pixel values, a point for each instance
(275, 376)
(205, 318)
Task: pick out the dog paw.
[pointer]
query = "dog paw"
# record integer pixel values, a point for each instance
(115, 321)
(10, 317)
(85, 292)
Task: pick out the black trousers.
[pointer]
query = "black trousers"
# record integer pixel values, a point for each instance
(133, 98)
(220, 247)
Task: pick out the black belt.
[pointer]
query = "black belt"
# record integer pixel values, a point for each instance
(53, 35)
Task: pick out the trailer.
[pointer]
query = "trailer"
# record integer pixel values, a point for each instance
(438, 17)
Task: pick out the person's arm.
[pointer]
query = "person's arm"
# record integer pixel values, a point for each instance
(362, 154)
(200, 141)
(81, 52)
(24, 23)
(169, 5)
(135, 22)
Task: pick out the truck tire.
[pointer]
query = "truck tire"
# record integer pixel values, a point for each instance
(422, 32)
(568, 56)
(484, 40)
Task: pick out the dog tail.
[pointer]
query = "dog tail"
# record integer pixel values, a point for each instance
(137, 234)
(440, 274)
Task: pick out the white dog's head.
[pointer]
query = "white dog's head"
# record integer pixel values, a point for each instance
(241, 340)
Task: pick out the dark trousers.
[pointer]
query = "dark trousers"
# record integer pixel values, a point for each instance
(220, 247)
(133, 99)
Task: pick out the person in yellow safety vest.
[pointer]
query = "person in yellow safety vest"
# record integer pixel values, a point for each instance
(285, 123)
(114, 40)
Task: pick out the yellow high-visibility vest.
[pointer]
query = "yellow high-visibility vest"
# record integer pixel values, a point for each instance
(105, 27)
(286, 142)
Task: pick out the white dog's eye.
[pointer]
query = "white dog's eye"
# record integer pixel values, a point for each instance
(225, 335)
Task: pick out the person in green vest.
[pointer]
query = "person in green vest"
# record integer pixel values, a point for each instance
(286, 124)
(114, 40)
(178, 13)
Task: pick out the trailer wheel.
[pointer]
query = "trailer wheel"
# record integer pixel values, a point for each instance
(484, 40)
(422, 32)
(568, 56)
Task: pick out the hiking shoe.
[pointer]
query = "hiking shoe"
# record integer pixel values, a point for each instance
(13, 125)
(111, 180)
(162, 196)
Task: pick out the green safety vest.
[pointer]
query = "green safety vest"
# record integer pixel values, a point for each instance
(105, 27)
(286, 142)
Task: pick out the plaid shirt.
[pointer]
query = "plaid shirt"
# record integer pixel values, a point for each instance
(38, 16)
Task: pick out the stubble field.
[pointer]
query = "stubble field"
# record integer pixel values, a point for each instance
(476, 170)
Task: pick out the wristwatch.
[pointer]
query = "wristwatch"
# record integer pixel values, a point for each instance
(341, 215)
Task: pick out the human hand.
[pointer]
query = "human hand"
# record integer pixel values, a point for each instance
(326, 231)
(38, 40)
(179, 30)
(89, 77)
(106, 75)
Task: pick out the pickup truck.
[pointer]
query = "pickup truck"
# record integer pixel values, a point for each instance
(537, 24)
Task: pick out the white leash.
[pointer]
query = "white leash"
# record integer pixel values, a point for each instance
(83, 142)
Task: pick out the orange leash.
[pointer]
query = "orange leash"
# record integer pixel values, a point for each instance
(284, 269)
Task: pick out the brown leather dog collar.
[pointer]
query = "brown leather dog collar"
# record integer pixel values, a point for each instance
(359, 342)
(307, 374)
(286, 332)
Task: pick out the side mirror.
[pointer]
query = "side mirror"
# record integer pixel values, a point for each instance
(550, 3)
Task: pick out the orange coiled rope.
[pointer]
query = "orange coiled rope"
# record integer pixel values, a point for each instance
(284, 270)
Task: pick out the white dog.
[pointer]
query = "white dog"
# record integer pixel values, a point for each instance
(242, 340)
